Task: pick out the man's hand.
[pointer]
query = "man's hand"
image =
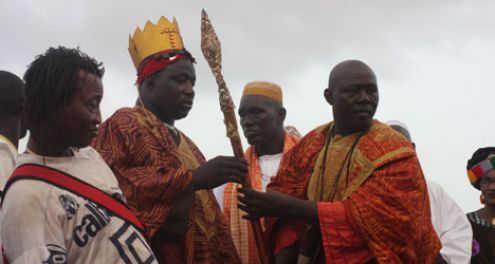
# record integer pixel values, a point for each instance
(218, 171)
(258, 204)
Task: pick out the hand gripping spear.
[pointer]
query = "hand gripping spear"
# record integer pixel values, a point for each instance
(210, 45)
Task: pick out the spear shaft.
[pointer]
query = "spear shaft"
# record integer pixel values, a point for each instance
(211, 48)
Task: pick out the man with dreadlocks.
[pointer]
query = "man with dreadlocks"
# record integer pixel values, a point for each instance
(62, 203)
(356, 181)
(161, 171)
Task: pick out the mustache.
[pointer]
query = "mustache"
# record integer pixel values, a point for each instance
(368, 108)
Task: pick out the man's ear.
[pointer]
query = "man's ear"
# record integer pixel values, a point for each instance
(147, 86)
(282, 113)
(145, 90)
(328, 95)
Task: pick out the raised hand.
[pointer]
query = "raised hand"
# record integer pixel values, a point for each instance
(218, 171)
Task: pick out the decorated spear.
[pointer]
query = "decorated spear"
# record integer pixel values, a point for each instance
(211, 48)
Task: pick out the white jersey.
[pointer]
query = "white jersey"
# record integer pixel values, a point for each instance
(43, 223)
(8, 154)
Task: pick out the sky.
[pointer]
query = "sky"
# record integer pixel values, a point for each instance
(433, 60)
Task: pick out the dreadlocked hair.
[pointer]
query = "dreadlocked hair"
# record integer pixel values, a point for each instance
(479, 155)
(52, 80)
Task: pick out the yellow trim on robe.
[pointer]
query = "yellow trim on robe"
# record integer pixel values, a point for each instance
(190, 162)
(360, 169)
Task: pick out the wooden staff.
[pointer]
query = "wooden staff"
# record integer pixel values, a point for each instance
(210, 46)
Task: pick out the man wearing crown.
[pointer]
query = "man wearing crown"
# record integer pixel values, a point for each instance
(161, 171)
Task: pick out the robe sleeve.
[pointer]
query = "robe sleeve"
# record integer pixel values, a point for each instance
(150, 177)
(292, 177)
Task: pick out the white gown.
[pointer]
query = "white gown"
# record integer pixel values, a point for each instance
(451, 225)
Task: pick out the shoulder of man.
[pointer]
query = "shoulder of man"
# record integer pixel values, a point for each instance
(27, 194)
(316, 135)
(382, 144)
(121, 116)
(309, 145)
(126, 120)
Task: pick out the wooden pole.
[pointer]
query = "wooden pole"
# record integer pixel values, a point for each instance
(211, 48)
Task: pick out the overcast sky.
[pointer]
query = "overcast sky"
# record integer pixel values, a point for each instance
(434, 62)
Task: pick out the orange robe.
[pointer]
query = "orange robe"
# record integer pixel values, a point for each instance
(155, 174)
(242, 232)
(379, 210)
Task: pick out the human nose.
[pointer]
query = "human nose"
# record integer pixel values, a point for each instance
(188, 88)
(364, 96)
(246, 121)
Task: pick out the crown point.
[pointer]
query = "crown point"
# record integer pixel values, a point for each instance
(148, 26)
(154, 38)
(162, 20)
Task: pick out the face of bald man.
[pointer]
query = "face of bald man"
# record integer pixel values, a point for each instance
(353, 93)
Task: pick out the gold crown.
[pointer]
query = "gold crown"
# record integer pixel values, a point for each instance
(154, 39)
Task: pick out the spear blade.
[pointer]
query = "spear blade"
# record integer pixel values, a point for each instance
(210, 45)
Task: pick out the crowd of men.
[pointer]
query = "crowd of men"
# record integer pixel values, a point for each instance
(136, 189)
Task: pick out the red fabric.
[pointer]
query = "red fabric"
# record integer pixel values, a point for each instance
(478, 171)
(285, 237)
(63, 180)
(389, 213)
(340, 240)
(5, 260)
(156, 64)
(144, 157)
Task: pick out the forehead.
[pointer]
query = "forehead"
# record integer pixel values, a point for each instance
(88, 85)
(256, 101)
(354, 76)
(183, 66)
